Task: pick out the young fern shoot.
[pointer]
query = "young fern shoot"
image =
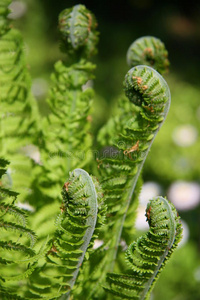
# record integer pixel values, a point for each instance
(150, 94)
(67, 140)
(68, 266)
(148, 255)
(75, 226)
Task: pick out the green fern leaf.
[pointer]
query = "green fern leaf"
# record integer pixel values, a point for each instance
(148, 255)
(75, 230)
(150, 100)
(18, 108)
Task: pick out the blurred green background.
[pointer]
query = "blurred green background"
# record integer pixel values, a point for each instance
(173, 165)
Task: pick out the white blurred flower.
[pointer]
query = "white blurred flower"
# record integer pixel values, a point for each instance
(184, 195)
(198, 113)
(33, 152)
(18, 9)
(186, 233)
(141, 223)
(39, 87)
(97, 244)
(26, 206)
(89, 84)
(185, 135)
(197, 274)
(123, 245)
(149, 190)
(6, 179)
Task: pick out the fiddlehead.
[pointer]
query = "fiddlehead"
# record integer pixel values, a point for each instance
(151, 97)
(148, 255)
(75, 231)
(78, 31)
(149, 51)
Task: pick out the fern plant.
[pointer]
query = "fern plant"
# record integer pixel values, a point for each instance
(51, 252)
(19, 113)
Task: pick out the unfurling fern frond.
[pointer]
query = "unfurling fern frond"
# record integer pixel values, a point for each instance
(149, 51)
(78, 28)
(148, 255)
(68, 264)
(150, 97)
(75, 225)
(67, 138)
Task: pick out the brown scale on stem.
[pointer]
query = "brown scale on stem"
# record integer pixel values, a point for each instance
(144, 87)
(62, 208)
(148, 213)
(66, 184)
(89, 22)
(150, 108)
(148, 51)
(53, 250)
(99, 163)
(139, 79)
(132, 149)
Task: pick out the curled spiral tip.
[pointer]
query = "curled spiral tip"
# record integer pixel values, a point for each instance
(149, 51)
(145, 87)
(163, 219)
(77, 26)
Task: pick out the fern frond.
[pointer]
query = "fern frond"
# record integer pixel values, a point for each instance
(20, 229)
(132, 144)
(67, 138)
(18, 260)
(7, 295)
(75, 229)
(149, 51)
(148, 255)
(13, 210)
(18, 120)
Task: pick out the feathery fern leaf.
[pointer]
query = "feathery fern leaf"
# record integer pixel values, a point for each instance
(150, 97)
(18, 260)
(148, 255)
(75, 230)
(67, 138)
(19, 112)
